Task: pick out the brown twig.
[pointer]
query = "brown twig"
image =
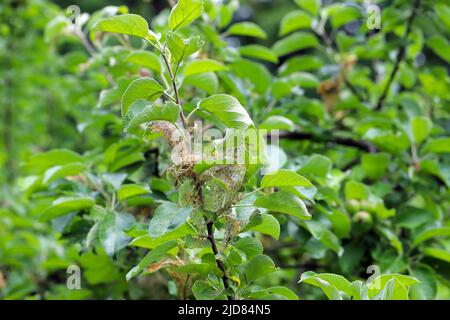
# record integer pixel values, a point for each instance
(359, 144)
(220, 265)
(400, 56)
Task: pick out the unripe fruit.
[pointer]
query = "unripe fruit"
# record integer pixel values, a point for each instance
(362, 221)
(353, 205)
(369, 206)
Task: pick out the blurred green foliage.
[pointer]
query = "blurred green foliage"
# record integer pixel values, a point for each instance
(363, 186)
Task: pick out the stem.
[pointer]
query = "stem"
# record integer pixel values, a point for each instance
(327, 138)
(249, 194)
(400, 56)
(84, 40)
(191, 113)
(161, 50)
(175, 89)
(169, 96)
(414, 156)
(220, 265)
(113, 201)
(185, 287)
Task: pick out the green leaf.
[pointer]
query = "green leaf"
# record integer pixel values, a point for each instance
(407, 77)
(248, 29)
(43, 161)
(341, 14)
(302, 63)
(131, 24)
(250, 246)
(356, 190)
(312, 6)
(334, 286)
(293, 21)
(317, 165)
(427, 288)
(181, 48)
(433, 167)
(149, 242)
(278, 123)
(437, 145)
(412, 218)
(258, 52)
(207, 82)
(142, 88)
(151, 257)
(443, 12)
(440, 45)
(112, 231)
(195, 268)
(202, 290)
(65, 205)
(393, 239)
(160, 184)
(340, 221)
(437, 253)
(325, 236)
(62, 171)
(274, 293)
(420, 128)
(294, 42)
(375, 164)
(127, 160)
(145, 59)
(284, 202)
(256, 74)
(393, 290)
(112, 96)
(228, 109)
(184, 12)
(300, 79)
(131, 190)
(351, 258)
(99, 268)
(283, 178)
(304, 193)
(114, 179)
(266, 224)
(202, 66)
(225, 14)
(387, 140)
(259, 266)
(142, 111)
(431, 233)
(381, 285)
(167, 218)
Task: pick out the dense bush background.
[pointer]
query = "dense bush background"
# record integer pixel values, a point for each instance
(364, 116)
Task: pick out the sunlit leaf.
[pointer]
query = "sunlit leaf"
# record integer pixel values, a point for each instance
(184, 12)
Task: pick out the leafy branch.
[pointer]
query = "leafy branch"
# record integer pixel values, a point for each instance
(400, 56)
(220, 265)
